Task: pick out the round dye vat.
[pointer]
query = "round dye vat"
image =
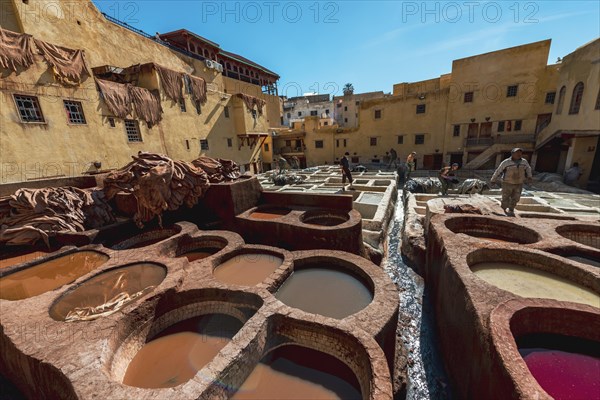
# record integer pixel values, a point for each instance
(325, 291)
(294, 372)
(324, 218)
(200, 254)
(176, 354)
(20, 259)
(145, 239)
(108, 292)
(270, 213)
(534, 283)
(49, 275)
(247, 269)
(491, 239)
(585, 260)
(588, 235)
(566, 368)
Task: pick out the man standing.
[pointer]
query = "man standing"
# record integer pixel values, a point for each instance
(572, 175)
(447, 177)
(393, 158)
(346, 171)
(515, 171)
(411, 164)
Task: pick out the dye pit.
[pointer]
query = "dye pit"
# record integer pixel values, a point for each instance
(534, 283)
(248, 269)
(294, 372)
(585, 260)
(200, 254)
(175, 355)
(108, 292)
(49, 275)
(325, 291)
(567, 368)
(270, 213)
(20, 259)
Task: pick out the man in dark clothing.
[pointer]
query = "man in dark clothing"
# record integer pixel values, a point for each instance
(346, 171)
(447, 177)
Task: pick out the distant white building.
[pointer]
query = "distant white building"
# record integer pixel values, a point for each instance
(346, 108)
(295, 109)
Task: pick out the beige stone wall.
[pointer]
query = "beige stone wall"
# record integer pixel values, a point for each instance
(31, 151)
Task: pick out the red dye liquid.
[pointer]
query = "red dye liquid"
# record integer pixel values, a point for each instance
(565, 375)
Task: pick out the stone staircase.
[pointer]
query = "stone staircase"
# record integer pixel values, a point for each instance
(487, 154)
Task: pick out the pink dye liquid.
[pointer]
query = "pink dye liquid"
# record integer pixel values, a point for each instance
(564, 375)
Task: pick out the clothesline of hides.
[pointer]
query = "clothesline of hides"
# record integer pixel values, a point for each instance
(124, 98)
(252, 101)
(17, 50)
(172, 83)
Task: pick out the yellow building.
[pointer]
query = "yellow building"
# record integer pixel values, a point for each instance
(48, 128)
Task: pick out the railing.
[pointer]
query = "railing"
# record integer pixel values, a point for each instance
(479, 142)
(503, 139)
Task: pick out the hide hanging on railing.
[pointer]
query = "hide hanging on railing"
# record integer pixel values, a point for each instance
(15, 50)
(68, 65)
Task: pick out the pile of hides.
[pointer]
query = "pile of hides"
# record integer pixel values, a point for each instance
(252, 101)
(158, 184)
(283, 179)
(31, 215)
(172, 81)
(15, 50)
(472, 186)
(68, 65)
(218, 170)
(423, 185)
(550, 182)
(461, 209)
(122, 98)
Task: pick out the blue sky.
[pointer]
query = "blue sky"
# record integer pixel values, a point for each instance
(319, 46)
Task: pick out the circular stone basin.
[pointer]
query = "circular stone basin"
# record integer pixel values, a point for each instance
(21, 258)
(270, 213)
(534, 283)
(49, 275)
(200, 253)
(492, 230)
(588, 235)
(175, 355)
(565, 367)
(295, 372)
(323, 290)
(247, 269)
(585, 260)
(108, 292)
(145, 239)
(324, 217)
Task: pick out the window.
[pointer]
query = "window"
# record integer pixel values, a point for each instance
(377, 114)
(288, 143)
(132, 129)
(468, 97)
(518, 125)
(325, 123)
(420, 139)
(74, 111)
(203, 144)
(198, 107)
(576, 98)
(339, 105)
(456, 131)
(337, 142)
(511, 91)
(327, 111)
(229, 142)
(289, 115)
(550, 96)
(266, 147)
(356, 103)
(29, 108)
(313, 113)
(111, 122)
(187, 144)
(373, 141)
(345, 142)
(561, 99)
(420, 108)
(345, 119)
(401, 139)
(226, 112)
(346, 108)
(299, 113)
(500, 126)
(597, 101)
(182, 105)
(318, 144)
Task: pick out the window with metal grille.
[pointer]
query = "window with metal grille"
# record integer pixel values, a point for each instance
(132, 129)
(29, 108)
(318, 144)
(456, 131)
(203, 144)
(468, 97)
(576, 98)
(550, 96)
(229, 142)
(313, 113)
(401, 139)
(74, 111)
(419, 139)
(226, 112)
(500, 126)
(373, 141)
(182, 105)
(420, 108)
(377, 114)
(518, 125)
(512, 90)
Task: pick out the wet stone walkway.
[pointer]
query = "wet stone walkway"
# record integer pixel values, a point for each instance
(426, 378)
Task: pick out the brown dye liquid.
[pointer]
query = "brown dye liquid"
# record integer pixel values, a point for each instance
(200, 254)
(175, 355)
(271, 213)
(325, 291)
(294, 372)
(247, 269)
(20, 259)
(108, 292)
(49, 275)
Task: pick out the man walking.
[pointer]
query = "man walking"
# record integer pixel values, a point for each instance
(447, 177)
(514, 171)
(346, 172)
